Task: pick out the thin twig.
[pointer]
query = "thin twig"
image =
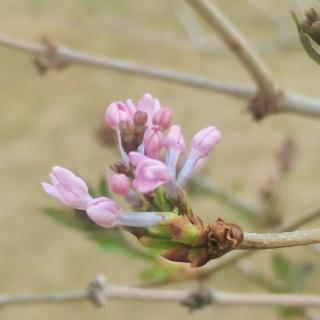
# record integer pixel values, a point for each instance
(233, 257)
(192, 299)
(293, 103)
(91, 60)
(238, 203)
(237, 44)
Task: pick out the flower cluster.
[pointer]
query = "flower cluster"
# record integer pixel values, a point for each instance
(151, 175)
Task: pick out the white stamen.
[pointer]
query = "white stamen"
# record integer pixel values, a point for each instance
(171, 161)
(139, 219)
(188, 167)
(141, 148)
(123, 154)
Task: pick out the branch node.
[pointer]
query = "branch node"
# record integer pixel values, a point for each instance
(261, 105)
(97, 290)
(198, 299)
(51, 60)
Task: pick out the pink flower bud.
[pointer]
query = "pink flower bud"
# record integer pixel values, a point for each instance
(149, 105)
(202, 144)
(153, 141)
(149, 175)
(205, 140)
(66, 187)
(118, 111)
(175, 138)
(162, 118)
(103, 212)
(119, 183)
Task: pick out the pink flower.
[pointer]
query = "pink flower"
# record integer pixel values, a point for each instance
(162, 118)
(149, 175)
(103, 212)
(66, 187)
(118, 111)
(205, 140)
(149, 105)
(135, 158)
(153, 141)
(119, 183)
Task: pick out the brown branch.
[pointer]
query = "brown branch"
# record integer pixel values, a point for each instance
(99, 291)
(293, 103)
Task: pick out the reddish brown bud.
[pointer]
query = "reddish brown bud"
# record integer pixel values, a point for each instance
(120, 167)
(127, 136)
(311, 14)
(126, 130)
(140, 119)
(178, 254)
(214, 240)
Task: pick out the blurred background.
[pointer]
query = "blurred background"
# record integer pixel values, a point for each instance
(50, 119)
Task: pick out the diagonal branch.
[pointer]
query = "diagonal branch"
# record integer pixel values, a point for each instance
(294, 103)
(269, 98)
(99, 291)
(237, 44)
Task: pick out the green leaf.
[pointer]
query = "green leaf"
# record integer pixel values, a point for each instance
(162, 201)
(73, 218)
(111, 240)
(282, 267)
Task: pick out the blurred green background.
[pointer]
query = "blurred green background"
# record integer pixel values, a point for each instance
(48, 120)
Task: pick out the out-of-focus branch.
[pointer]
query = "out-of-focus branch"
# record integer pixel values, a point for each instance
(90, 60)
(269, 98)
(99, 291)
(236, 256)
(238, 203)
(293, 103)
(237, 44)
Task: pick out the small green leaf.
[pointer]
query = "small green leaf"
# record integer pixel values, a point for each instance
(73, 218)
(111, 240)
(162, 201)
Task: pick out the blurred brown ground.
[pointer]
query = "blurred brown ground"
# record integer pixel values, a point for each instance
(48, 120)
